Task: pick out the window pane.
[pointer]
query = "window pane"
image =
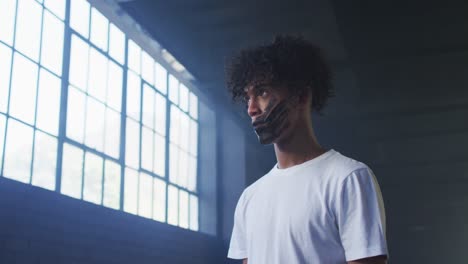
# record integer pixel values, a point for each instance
(57, 7)
(194, 212)
(99, 29)
(116, 43)
(173, 204)
(7, 20)
(173, 163)
(147, 64)
(183, 169)
(48, 103)
(159, 155)
(145, 195)
(159, 200)
(52, 43)
(94, 131)
(18, 151)
(79, 16)
(45, 159)
(132, 144)
(148, 106)
(92, 190)
(72, 167)
(2, 137)
(160, 114)
(5, 65)
(193, 138)
(183, 97)
(131, 191)
(183, 209)
(160, 81)
(114, 86)
(112, 135)
(112, 184)
(173, 89)
(193, 105)
(79, 63)
(28, 28)
(97, 81)
(75, 114)
(133, 95)
(23, 89)
(175, 125)
(184, 131)
(192, 174)
(134, 56)
(147, 149)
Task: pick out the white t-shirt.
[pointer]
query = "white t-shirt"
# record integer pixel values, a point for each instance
(327, 210)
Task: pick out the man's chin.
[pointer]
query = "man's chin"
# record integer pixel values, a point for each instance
(265, 139)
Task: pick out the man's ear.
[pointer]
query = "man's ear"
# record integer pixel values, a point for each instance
(305, 98)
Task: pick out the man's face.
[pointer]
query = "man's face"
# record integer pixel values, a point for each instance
(270, 111)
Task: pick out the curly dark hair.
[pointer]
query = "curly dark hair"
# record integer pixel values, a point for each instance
(290, 61)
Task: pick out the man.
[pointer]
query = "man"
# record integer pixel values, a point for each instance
(315, 205)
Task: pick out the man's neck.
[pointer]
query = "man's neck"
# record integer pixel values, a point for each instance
(298, 148)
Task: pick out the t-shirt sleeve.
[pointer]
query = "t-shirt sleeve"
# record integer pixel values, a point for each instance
(238, 245)
(360, 216)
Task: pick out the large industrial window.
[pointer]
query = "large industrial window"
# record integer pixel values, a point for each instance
(86, 112)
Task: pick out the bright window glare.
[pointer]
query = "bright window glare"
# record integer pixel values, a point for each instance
(112, 185)
(76, 114)
(160, 78)
(79, 62)
(23, 83)
(132, 146)
(28, 28)
(48, 102)
(5, 66)
(116, 43)
(72, 170)
(2, 137)
(94, 131)
(131, 191)
(7, 20)
(45, 159)
(134, 56)
(18, 151)
(99, 29)
(147, 149)
(147, 64)
(112, 134)
(133, 95)
(66, 126)
(159, 200)
(145, 195)
(194, 106)
(97, 81)
(159, 155)
(172, 210)
(114, 86)
(57, 7)
(52, 43)
(92, 190)
(194, 212)
(79, 16)
(183, 209)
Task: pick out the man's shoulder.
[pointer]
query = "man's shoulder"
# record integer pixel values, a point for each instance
(341, 166)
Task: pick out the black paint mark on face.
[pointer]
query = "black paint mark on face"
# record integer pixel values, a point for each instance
(269, 125)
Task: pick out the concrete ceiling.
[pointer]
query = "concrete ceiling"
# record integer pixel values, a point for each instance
(202, 34)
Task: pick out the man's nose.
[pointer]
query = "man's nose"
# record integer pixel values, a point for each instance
(253, 109)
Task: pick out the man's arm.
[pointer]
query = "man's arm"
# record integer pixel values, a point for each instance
(372, 260)
(244, 261)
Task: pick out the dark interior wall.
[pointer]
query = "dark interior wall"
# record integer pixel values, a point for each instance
(39, 226)
(402, 108)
